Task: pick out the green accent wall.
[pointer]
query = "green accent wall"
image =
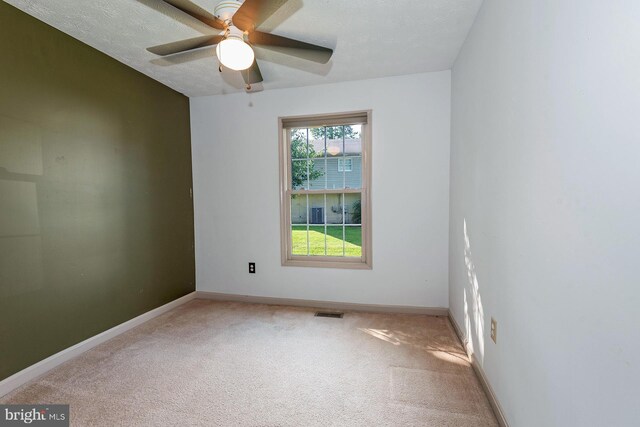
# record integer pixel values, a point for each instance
(96, 214)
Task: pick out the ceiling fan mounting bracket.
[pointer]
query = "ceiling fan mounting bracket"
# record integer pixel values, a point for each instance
(225, 9)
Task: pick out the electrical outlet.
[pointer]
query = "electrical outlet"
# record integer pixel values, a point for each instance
(494, 330)
(252, 267)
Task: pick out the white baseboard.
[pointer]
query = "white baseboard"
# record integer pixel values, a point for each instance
(34, 371)
(332, 305)
(484, 381)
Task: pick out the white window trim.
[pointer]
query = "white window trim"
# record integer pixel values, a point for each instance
(366, 260)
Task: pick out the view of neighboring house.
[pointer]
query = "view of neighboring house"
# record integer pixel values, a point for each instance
(340, 166)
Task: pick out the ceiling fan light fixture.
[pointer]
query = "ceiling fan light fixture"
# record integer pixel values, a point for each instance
(233, 52)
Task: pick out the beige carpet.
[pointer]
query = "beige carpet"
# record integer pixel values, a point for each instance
(230, 364)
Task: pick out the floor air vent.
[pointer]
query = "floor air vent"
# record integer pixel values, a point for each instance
(329, 314)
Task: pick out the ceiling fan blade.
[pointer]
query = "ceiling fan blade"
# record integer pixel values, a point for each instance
(197, 12)
(183, 57)
(183, 45)
(291, 47)
(254, 12)
(252, 74)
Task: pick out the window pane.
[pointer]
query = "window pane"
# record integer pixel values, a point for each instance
(317, 173)
(316, 133)
(316, 240)
(299, 174)
(353, 156)
(352, 207)
(335, 143)
(299, 240)
(316, 142)
(299, 144)
(335, 177)
(316, 216)
(299, 209)
(316, 209)
(353, 241)
(353, 140)
(353, 172)
(334, 208)
(335, 240)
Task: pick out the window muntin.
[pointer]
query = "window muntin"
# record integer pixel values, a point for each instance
(325, 184)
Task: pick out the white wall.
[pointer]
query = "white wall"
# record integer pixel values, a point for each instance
(546, 173)
(236, 193)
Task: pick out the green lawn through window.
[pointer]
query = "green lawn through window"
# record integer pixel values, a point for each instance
(352, 241)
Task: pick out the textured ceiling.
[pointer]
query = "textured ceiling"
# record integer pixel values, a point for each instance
(371, 38)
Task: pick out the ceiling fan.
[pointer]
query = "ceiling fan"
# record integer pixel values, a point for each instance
(238, 20)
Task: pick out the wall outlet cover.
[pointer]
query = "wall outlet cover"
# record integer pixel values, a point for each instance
(494, 330)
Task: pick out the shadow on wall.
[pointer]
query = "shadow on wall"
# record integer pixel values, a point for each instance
(473, 321)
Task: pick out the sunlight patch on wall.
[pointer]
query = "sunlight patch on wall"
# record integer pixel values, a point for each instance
(476, 299)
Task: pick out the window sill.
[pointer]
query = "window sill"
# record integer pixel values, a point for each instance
(356, 264)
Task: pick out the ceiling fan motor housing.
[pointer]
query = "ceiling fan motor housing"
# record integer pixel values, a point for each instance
(225, 9)
(234, 33)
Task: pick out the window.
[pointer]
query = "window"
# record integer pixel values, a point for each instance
(345, 165)
(325, 187)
